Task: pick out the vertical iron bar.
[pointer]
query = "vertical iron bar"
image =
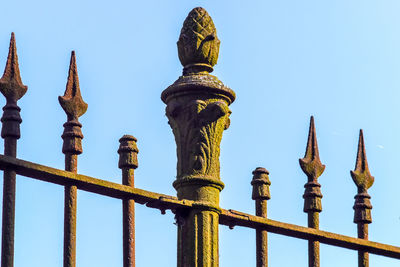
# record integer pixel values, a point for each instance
(8, 223)
(313, 168)
(363, 257)
(128, 211)
(313, 246)
(262, 236)
(261, 194)
(70, 208)
(12, 88)
(362, 205)
(74, 107)
(128, 163)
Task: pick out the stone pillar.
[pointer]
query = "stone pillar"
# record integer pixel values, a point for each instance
(198, 113)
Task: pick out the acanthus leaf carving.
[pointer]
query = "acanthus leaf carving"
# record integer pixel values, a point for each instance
(198, 126)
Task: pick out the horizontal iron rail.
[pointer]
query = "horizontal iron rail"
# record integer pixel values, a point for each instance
(164, 202)
(236, 218)
(90, 184)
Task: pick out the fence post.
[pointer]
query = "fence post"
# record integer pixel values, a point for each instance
(198, 113)
(362, 205)
(74, 107)
(13, 89)
(128, 162)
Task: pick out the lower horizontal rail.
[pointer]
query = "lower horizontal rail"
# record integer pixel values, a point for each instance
(164, 202)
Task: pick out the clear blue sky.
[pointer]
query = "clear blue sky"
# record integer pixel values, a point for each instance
(286, 60)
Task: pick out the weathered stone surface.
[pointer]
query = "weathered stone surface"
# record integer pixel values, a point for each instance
(198, 44)
(198, 113)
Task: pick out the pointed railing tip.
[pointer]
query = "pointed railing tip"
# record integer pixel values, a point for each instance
(11, 85)
(311, 163)
(361, 174)
(72, 101)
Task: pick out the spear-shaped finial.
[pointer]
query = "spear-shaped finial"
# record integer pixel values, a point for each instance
(11, 85)
(74, 106)
(72, 101)
(361, 175)
(362, 204)
(313, 168)
(311, 164)
(364, 180)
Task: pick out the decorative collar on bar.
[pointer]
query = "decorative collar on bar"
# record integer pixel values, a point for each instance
(313, 168)
(260, 184)
(198, 48)
(11, 85)
(72, 101)
(364, 180)
(128, 152)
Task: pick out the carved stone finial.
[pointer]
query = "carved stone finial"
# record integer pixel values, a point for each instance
(364, 180)
(197, 103)
(11, 85)
(72, 101)
(198, 44)
(313, 168)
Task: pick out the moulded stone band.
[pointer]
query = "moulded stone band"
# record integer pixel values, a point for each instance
(198, 181)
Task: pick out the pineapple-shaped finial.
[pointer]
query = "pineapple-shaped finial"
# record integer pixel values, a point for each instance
(198, 44)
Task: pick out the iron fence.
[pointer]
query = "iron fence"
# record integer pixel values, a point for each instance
(198, 112)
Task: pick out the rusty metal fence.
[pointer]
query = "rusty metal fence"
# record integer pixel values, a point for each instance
(198, 113)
